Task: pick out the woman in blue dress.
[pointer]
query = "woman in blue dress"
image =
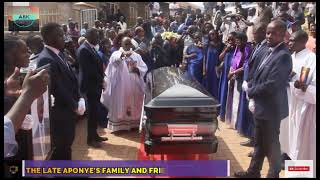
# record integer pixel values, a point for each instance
(194, 56)
(225, 57)
(235, 76)
(213, 50)
(244, 123)
(244, 116)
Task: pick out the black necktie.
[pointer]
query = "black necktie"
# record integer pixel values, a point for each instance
(61, 55)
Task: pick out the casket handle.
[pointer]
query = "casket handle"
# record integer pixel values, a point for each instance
(182, 130)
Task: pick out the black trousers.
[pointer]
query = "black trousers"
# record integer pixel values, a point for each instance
(63, 132)
(267, 144)
(93, 112)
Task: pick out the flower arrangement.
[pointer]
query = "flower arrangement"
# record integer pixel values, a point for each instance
(168, 35)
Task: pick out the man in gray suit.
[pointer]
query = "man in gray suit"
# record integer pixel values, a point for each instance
(269, 101)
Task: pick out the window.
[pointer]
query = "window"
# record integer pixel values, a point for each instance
(133, 13)
(147, 11)
(48, 15)
(114, 7)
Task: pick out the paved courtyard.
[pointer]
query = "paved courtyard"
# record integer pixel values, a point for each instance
(125, 146)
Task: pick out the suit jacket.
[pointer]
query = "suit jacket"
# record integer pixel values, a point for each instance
(90, 70)
(268, 86)
(256, 57)
(63, 83)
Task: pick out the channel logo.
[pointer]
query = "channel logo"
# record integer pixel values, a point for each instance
(299, 168)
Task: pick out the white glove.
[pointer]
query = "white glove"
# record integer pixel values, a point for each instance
(245, 86)
(52, 100)
(27, 123)
(251, 105)
(247, 96)
(81, 106)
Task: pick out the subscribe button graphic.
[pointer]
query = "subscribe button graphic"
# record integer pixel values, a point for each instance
(299, 168)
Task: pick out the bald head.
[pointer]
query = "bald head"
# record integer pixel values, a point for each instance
(126, 43)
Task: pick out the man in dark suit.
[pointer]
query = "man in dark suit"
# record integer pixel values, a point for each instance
(259, 32)
(64, 88)
(267, 90)
(91, 83)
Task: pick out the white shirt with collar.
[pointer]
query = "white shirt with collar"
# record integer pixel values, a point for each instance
(266, 59)
(55, 50)
(275, 47)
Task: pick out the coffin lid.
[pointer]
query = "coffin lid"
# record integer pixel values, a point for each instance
(181, 95)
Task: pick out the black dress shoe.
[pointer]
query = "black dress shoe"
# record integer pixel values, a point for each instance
(248, 143)
(246, 174)
(94, 144)
(284, 157)
(100, 139)
(250, 154)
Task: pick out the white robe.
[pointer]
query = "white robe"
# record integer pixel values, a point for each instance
(124, 92)
(300, 127)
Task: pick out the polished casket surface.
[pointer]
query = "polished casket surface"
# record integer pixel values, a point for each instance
(181, 114)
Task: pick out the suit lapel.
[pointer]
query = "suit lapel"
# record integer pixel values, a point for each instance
(99, 60)
(269, 60)
(92, 50)
(63, 66)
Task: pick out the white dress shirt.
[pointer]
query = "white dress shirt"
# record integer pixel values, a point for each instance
(57, 51)
(266, 59)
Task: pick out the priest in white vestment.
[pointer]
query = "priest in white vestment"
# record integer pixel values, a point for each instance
(124, 91)
(302, 103)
